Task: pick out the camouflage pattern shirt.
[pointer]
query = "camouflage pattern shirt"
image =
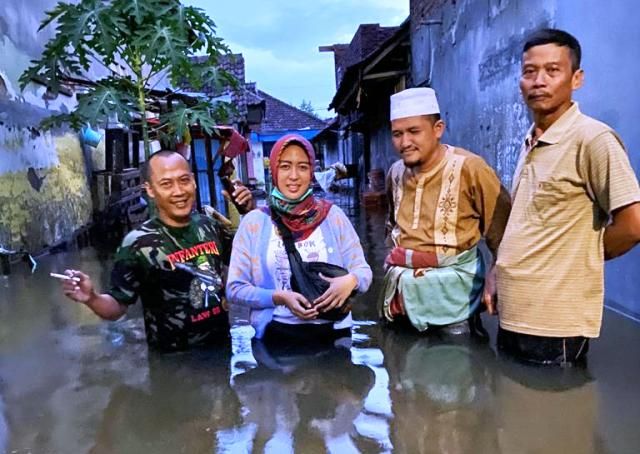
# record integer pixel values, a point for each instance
(177, 273)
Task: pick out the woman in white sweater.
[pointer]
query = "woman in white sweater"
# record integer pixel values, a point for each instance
(259, 272)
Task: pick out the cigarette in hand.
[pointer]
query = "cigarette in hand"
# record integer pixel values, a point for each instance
(64, 277)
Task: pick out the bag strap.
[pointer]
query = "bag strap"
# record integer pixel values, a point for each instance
(295, 259)
(285, 233)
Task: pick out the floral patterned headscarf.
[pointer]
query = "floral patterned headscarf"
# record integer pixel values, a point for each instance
(304, 214)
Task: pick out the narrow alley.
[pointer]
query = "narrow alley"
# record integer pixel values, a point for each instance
(73, 383)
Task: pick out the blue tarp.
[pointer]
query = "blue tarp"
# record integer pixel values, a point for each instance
(272, 136)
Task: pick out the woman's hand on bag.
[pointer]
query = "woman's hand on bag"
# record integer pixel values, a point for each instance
(339, 290)
(296, 303)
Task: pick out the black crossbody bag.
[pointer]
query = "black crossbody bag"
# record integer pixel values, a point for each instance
(305, 276)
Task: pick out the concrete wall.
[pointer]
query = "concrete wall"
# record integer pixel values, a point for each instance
(609, 35)
(476, 51)
(382, 152)
(475, 70)
(44, 192)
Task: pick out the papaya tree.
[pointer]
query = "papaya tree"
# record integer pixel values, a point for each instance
(129, 48)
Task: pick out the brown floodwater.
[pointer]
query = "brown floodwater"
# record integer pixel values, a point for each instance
(70, 383)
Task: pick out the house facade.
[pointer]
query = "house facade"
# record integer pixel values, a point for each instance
(373, 66)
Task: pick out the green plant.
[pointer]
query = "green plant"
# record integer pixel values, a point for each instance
(132, 45)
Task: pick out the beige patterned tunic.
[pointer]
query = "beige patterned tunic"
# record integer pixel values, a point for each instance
(449, 208)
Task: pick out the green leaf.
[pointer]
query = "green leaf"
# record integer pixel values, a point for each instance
(164, 41)
(102, 101)
(180, 17)
(107, 34)
(136, 8)
(203, 114)
(131, 39)
(78, 22)
(51, 69)
(60, 10)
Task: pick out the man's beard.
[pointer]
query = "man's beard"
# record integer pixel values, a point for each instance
(412, 164)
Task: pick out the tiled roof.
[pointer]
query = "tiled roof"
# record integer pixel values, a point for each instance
(252, 95)
(280, 116)
(234, 65)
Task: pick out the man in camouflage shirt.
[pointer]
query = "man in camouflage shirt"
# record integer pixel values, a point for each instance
(173, 262)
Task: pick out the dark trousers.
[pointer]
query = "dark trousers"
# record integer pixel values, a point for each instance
(303, 338)
(560, 351)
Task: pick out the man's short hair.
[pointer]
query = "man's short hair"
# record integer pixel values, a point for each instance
(558, 37)
(433, 118)
(145, 169)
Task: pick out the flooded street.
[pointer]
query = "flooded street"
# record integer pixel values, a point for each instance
(70, 383)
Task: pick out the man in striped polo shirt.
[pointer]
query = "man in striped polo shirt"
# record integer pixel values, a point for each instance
(575, 204)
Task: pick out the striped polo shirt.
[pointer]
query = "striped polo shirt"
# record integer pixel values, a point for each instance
(550, 267)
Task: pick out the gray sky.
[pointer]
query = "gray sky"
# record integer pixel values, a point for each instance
(279, 40)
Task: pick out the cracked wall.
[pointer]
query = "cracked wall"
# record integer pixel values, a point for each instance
(44, 190)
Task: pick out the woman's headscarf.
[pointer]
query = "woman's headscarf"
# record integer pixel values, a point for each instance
(300, 215)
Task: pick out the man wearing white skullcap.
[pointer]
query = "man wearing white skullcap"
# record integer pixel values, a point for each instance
(443, 201)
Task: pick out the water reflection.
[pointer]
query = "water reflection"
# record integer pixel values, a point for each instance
(308, 399)
(4, 429)
(72, 384)
(442, 393)
(374, 420)
(181, 407)
(547, 410)
(57, 387)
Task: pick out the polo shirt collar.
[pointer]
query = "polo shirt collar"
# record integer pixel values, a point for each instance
(557, 130)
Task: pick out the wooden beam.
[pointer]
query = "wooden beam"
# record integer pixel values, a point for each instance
(62, 89)
(210, 172)
(350, 93)
(384, 74)
(384, 53)
(194, 170)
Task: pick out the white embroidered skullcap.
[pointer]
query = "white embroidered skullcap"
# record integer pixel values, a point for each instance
(413, 102)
